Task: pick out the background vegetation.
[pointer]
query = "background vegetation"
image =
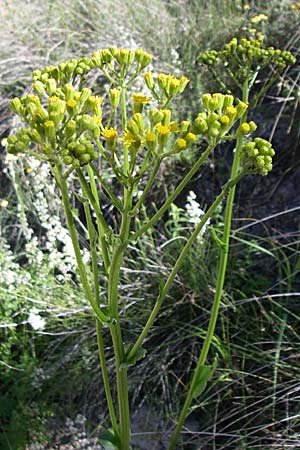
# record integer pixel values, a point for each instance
(50, 386)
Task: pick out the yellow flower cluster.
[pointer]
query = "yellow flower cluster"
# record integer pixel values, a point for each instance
(259, 18)
(295, 5)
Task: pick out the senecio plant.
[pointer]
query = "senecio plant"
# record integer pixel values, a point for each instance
(130, 136)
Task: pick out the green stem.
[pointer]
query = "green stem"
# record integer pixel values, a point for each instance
(61, 182)
(147, 187)
(164, 290)
(92, 239)
(173, 196)
(108, 395)
(103, 228)
(220, 283)
(105, 186)
(124, 121)
(113, 281)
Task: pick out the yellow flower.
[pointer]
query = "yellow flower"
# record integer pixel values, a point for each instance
(97, 120)
(163, 130)
(109, 134)
(150, 137)
(224, 120)
(3, 203)
(71, 103)
(190, 138)
(231, 111)
(181, 144)
(141, 98)
(174, 127)
(259, 18)
(53, 99)
(129, 138)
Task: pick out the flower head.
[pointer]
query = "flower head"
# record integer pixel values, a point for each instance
(109, 134)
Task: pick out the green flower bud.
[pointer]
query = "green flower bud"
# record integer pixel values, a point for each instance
(183, 82)
(133, 128)
(200, 125)
(173, 87)
(20, 146)
(85, 93)
(50, 86)
(56, 117)
(69, 91)
(35, 136)
(148, 77)
(70, 128)
(142, 58)
(206, 98)
(39, 87)
(49, 127)
(252, 125)
(155, 116)
(68, 160)
(167, 116)
(184, 128)
(107, 55)
(85, 158)
(40, 114)
(241, 108)
(114, 97)
(113, 51)
(213, 132)
(86, 122)
(94, 155)
(15, 105)
(79, 149)
(138, 119)
(216, 102)
(46, 149)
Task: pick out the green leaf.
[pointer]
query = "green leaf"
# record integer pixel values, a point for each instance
(255, 246)
(139, 354)
(205, 375)
(108, 440)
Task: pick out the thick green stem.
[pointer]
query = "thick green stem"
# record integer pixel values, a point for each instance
(113, 281)
(108, 395)
(61, 182)
(174, 195)
(220, 284)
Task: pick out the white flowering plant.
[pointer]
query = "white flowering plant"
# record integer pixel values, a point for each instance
(132, 136)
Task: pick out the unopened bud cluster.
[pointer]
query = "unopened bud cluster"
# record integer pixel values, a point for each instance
(219, 117)
(109, 59)
(245, 56)
(257, 156)
(165, 86)
(67, 120)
